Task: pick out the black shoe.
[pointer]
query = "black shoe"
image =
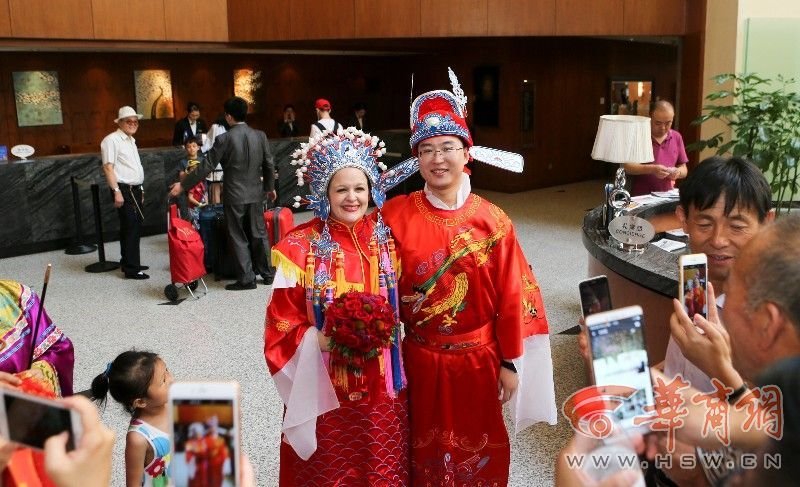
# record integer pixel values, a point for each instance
(268, 278)
(141, 268)
(238, 286)
(138, 276)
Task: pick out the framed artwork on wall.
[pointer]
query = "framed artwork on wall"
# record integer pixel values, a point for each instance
(246, 83)
(38, 98)
(154, 93)
(630, 95)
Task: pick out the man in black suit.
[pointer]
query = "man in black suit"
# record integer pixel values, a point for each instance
(288, 126)
(249, 172)
(359, 115)
(190, 126)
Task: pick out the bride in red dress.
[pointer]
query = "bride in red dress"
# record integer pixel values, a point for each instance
(342, 423)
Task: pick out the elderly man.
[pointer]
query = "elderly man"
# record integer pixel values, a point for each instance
(669, 151)
(125, 175)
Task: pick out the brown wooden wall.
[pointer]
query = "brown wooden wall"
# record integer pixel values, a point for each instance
(94, 85)
(570, 76)
(264, 20)
(140, 20)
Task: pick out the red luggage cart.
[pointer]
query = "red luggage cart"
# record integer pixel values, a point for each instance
(186, 254)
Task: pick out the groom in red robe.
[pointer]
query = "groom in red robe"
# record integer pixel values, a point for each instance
(476, 330)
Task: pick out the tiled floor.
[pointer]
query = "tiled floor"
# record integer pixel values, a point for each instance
(220, 336)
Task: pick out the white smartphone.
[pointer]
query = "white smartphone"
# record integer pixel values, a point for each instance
(205, 433)
(693, 284)
(595, 295)
(619, 362)
(30, 420)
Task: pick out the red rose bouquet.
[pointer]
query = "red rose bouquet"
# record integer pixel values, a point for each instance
(359, 325)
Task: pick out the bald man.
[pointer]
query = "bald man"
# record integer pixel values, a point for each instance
(669, 151)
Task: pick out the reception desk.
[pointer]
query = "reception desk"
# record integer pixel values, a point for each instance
(649, 279)
(36, 206)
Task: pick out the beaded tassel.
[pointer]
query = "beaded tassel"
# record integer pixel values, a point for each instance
(310, 260)
(373, 265)
(341, 283)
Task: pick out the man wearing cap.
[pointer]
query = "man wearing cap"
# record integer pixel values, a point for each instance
(476, 330)
(125, 175)
(249, 171)
(324, 120)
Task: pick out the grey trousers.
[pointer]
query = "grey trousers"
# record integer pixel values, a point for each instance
(248, 241)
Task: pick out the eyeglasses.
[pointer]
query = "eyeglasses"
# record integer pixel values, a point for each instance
(447, 152)
(132, 122)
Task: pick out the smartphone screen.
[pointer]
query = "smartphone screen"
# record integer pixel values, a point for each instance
(595, 295)
(619, 358)
(32, 422)
(695, 294)
(204, 438)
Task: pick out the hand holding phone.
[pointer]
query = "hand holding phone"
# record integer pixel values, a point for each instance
(595, 295)
(205, 433)
(90, 464)
(693, 284)
(30, 420)
(619, 359)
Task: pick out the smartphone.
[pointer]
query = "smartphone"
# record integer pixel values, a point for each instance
(619, 362)
(30, 420)
(595, 295)
(205, 433)
(693, 286)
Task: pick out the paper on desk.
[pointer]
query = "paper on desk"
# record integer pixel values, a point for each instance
(669, 245)
(647, 199)
(671, 194)
(677, 232)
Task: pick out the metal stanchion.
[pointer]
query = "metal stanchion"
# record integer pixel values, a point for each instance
(78, 247)
(103, 265)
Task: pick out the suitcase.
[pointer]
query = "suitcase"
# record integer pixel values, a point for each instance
(214, 233)
(279, 221)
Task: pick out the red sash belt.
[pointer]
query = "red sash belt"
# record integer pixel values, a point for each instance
(477, 338)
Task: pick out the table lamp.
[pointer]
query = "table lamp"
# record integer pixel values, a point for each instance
(621, 139)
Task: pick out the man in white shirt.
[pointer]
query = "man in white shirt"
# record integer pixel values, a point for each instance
(125, 175)
(324, 120)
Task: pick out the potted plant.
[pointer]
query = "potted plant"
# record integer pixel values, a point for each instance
(764, 118)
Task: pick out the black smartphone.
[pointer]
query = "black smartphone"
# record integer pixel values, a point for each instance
(30, 420)
(595, 295)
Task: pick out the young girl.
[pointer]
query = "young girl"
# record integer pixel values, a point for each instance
(140, 382)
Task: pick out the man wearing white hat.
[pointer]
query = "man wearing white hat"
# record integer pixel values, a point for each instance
(125, 175)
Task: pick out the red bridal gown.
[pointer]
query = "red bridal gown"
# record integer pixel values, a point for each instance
(364, 439)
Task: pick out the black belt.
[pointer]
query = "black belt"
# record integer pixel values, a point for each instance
(123, 185)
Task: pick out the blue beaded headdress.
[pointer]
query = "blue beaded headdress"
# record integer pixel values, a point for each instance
(319, 159)
(440, 112)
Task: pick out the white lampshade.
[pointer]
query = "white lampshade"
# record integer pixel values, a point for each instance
(623, 138)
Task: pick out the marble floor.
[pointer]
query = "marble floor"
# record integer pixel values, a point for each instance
(220, 336)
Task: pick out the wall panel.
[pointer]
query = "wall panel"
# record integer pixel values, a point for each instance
(589, 17)
(189, 20)
(70, 19)
(129, 20)
(387, 18)
(454, 18)
(649, 17)
(328, 19)
(258, 20)
(5, 19)
(522, 17)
